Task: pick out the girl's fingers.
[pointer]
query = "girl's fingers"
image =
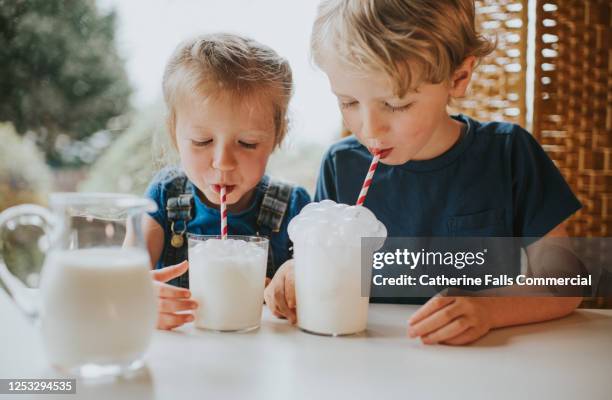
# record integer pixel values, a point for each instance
(435, 321)
(172, 305)
(448, 331)
(171, 321)
(290, 290)
(167, 273)
(433, 305)
(169, 291)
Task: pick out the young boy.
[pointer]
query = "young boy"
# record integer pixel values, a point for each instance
(227, 98)
(395, 66)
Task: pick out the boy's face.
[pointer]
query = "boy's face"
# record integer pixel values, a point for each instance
(224, 142)
(413, 127)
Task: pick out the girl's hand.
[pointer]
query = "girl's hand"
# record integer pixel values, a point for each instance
(172, 299)
(280, 292)
(451, 320)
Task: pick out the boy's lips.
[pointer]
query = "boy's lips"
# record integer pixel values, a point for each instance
(217, 188)
(383, 153)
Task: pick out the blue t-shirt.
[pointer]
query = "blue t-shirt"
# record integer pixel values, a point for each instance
(495, 181)
(206, 220)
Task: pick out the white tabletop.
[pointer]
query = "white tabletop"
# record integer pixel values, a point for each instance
(569, 358)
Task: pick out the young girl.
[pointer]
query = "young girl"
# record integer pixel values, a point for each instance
(394, 66)
(227, 99)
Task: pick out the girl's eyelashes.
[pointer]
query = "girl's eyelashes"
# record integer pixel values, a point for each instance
(201, 143)
(347, 104)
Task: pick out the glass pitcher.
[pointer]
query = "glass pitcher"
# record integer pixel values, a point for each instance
(95, 304)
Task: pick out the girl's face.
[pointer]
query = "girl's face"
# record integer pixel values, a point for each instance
(413, 127)
(224, 142)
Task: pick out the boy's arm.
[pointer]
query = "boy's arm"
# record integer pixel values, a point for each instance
(462, 320)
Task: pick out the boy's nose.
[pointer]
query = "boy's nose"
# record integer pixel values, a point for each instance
(372, 126)
(224, 159)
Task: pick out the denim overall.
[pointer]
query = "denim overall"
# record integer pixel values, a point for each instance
(179, 208)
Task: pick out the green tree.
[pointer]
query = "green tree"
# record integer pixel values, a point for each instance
(60, 73)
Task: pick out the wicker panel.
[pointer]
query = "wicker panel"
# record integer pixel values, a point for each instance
(573, 103)
(497, 91)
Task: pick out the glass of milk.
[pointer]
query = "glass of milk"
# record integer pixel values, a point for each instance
(227, 279)
(95, 304)
(328, 276)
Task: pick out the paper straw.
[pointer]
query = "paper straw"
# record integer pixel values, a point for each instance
(368, 179)
(223, 214)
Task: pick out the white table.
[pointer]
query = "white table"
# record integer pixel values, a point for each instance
(569, 358)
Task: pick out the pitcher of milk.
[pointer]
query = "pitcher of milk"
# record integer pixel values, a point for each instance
(95, 303)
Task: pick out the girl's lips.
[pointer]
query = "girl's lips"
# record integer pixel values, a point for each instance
(383, 153)
(228, 188)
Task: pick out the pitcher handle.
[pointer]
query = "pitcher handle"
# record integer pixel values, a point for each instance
(26, 298)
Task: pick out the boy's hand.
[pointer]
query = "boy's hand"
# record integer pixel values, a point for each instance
(451, 320)
(280, 293)
(172, 299)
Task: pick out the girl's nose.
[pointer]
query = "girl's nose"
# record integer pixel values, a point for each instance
(224, 159)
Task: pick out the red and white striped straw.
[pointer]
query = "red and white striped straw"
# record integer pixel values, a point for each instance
(223, 214)
(368, 179)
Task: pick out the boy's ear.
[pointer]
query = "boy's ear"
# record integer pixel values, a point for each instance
(461, 77)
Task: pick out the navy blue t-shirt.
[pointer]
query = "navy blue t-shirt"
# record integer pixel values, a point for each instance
(206, 220)
(495, 181)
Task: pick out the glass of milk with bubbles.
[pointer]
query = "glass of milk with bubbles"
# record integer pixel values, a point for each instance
(328, 275)
(227, 279)
(95, 304)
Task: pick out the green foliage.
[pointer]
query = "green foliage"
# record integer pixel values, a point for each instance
(24, 176)
(59, 70)
(135, 156)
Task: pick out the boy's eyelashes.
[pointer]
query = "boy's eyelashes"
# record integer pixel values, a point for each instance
(203, 143)
(390, 107)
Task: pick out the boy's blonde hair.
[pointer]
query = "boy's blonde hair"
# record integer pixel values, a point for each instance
(227, 64)
(411, 41)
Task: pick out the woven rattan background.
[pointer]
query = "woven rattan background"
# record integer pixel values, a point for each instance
(497, 91)
(573, 103)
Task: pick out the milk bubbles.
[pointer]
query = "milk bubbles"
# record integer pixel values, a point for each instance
(333, 224)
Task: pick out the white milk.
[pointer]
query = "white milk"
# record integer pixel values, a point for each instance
(326, 243)
(98, 306)
(226, 278)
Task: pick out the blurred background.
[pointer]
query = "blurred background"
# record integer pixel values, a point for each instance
(81, 108)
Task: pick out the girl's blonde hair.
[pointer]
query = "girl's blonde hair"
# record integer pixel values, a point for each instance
(411, 41)
(227, 64)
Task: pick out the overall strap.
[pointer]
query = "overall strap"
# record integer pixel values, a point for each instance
(179, 211)
(271, 213)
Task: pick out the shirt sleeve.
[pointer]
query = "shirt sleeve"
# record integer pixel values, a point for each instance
(299, 199)
(542, 198)
(156, 192)
(326, 188)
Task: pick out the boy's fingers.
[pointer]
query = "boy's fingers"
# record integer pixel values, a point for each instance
(170, 306)
(167, 273)
(448, 331)
(434, 304)
(169, 291)
(434, 321)
(171, 321)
